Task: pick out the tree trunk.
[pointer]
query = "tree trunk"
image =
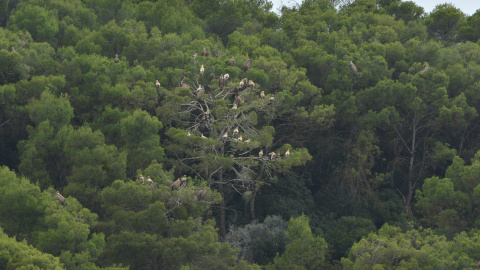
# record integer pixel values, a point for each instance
(411, 185)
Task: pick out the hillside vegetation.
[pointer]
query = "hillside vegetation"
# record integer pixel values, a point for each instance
(198, 134)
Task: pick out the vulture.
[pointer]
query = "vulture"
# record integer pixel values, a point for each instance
(204, 52)
(176, 184)
(142, 179)
(200, 90)
(251, 83)
(226, 76)
(150, 181)
(225, 136)
(272, 155)
(353, 67)
(231, 62)
(221, 81)
(424, 69)
(189, 134)
(246, 65)
(235, 131)
(241, 84)
(202, 70)
(262, 95)
(61, 199)
(157, 84)
(240, 138)
(13, 49)
(183, 180)
(247, 140)
(116, 60)
(272, 99)
(235, 106)
(194, 56)
(203, 136)
(201, 193)
(287, 153)
(238, 100)
(260, 154)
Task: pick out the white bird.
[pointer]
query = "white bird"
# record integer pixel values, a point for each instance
(235, 131)
(234, 106)
(353, 67)
(203, 136)
(424, 69)
(240, 138)
(202, 70)
(247, 140)
(272, 99)
(189, 134)
(262, 95)
(272, 155)
(157, 84)
(226, 76)
(225, 135)
(260, 154)
(287, 153)
(142, 179)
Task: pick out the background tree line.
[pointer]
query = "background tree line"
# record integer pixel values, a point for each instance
(349, 140)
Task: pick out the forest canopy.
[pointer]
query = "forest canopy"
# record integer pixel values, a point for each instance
(172, 134)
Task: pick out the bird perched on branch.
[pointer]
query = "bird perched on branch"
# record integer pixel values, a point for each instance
(202, 70)
(246, 65)
(238, 100)
(203, 136)
(157, 84)
(150, 181)
(262, 95)
(61, 199)
(176, 184)
(272, 155)
(248, 141)
(13, 49)
(201, 194)
(225, 136)
(204, 52)
(221, 81)
(260, 154)
(287, 153)
(183, 180)
(189, 134)
(251, 83)
(353, 67)
(231, 62)
(194, 56)
(200, 90)
(240, 138)
(235, 131)
(226, 76)
(424, 69)
(142, 179)
(271, 99)
(116, 60)
(235, 106)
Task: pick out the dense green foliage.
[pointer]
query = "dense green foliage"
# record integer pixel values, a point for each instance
(348, 141)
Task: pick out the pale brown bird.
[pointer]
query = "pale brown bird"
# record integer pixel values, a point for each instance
(142, 179)
(157, 84)
(240, 138)
(260, 154)
(176, 184)
(183, 180)
(61, 199)
(353, 67)
(248, 141)
(203, 136)
(231, 62)
(235, 131)
(194, 56)
(271, 99)
(272, 155)
(225, 136)
(201, 193)
(150, 181)
(189, 134)
(221, 81)
(262, 95)
(202, 70)
(424, 69)
(204, 52)
(246, 65)
(287, 153)
(235, 106)
(226, 76)
(241, 84)
(116, 60)
(251, 83)
(238, 100)
(200, 90)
